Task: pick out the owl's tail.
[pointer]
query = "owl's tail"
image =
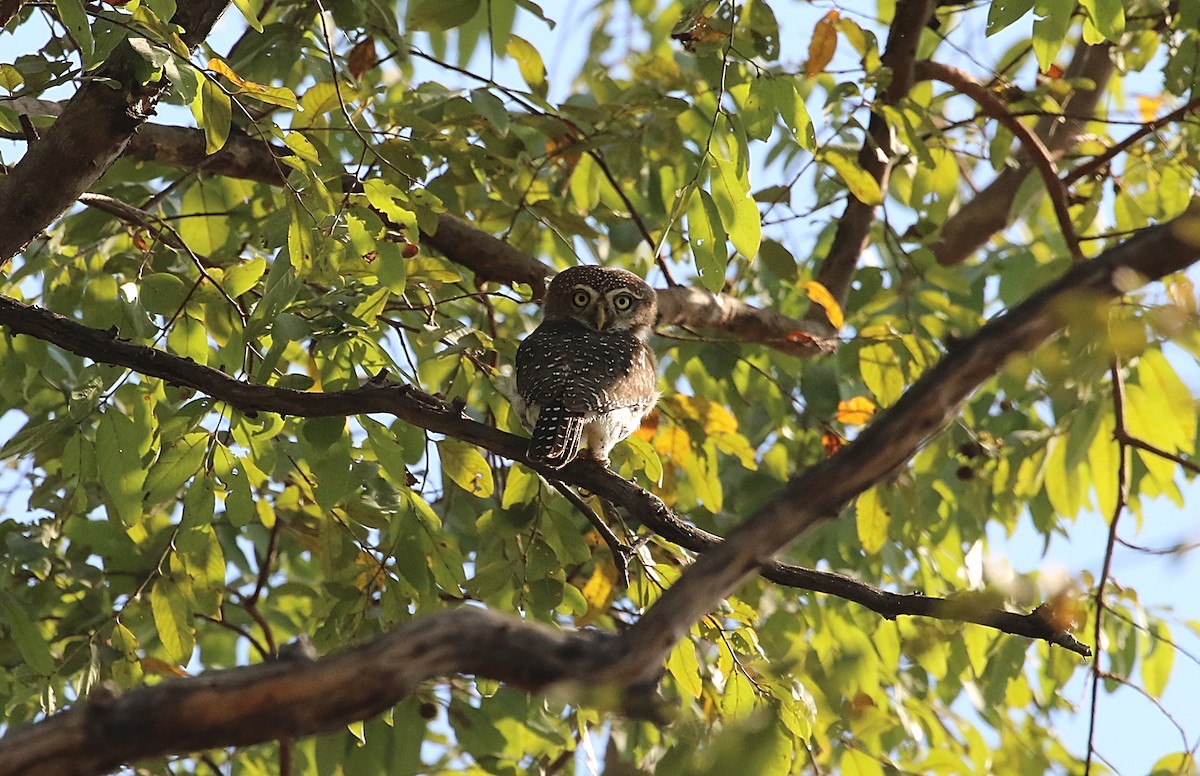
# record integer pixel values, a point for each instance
(555, 438)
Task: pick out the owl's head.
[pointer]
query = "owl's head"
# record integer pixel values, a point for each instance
(604, 299)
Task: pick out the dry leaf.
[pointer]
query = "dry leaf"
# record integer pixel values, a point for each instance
(831, 443)
(823, 44)
(153, 665)
(362, 57)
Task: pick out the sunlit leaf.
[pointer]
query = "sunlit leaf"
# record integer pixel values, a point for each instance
(823, 44)
(821, 296)
(855, 411)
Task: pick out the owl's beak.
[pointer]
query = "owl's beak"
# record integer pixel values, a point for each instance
(600, 317)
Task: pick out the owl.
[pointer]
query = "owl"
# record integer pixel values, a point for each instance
(585, 376)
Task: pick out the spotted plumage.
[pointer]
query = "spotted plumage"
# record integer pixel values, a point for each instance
(585, 376)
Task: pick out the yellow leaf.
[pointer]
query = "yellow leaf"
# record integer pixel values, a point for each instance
(1148, 106)
(599, 591)
(713, 417)
(819, 294)
(823, 44)
(673, 444)
(872, 520)
(218, 66)
(855, 411)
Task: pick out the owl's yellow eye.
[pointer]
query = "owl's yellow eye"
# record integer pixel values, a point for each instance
(622, 302)
(581, 299)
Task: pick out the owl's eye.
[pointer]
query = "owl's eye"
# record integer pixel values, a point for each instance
(581, 299)
(622, 302)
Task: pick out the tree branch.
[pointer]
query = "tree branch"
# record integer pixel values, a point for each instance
(1034, 148)
(431, 414)
(292, 698)
(92, 132)
(820, 492)
(987, 213)
(876, 155)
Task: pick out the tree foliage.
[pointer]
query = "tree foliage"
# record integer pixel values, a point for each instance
(266, 277)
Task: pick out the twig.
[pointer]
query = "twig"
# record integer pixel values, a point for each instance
(1123, 436)
(1098, 162)
(620, 552)
(1123, 452)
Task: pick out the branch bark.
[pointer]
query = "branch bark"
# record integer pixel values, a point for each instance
(876, 155)
(92, 132)
(489, 258)
(987, 213)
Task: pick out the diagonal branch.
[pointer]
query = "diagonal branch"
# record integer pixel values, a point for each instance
(820, 492)
(876, 155)
(1034, 148)
(95, 127)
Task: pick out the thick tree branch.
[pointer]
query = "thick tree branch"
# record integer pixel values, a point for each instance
(876, 155)
(427, 412)
(292, 698)
(987, 213)
(820, 492)
(92, 132)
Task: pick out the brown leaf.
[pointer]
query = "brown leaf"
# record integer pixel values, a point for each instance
(831, 443)
(362, 57)
(823, 44)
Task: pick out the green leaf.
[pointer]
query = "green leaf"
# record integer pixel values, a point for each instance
(163, 293)
(529, 62)
(792, 111)
(1002, 13)
(120, 466)
(1050, 29)
(248, 13)
(1107, 17)
(872, 520)
(176, 464)
(385, 197)
(24, 632)
(465, 465)
(707, 239)
(215, 114)
(731, 182)
(864, 188)
(75, 18)
(173, 620)
(440, 15)
(10, 78)
(685, 668)
(1158, 662)
(881, 372)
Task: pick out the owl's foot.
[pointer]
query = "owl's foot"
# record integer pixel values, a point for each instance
(588, 454)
